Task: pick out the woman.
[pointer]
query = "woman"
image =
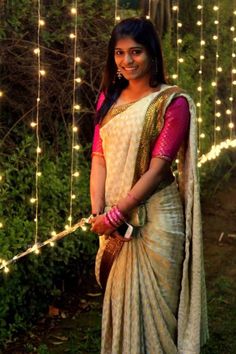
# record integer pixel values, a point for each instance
(154, 298)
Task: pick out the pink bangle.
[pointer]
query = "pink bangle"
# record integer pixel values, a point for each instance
(108, 222)
(111, 219)
(119, 214)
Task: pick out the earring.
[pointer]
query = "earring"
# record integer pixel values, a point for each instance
(118, 73)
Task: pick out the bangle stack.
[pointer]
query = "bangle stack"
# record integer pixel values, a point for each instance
(114, 217)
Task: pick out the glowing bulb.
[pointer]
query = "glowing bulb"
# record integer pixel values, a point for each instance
(199, 23)
(76, 147)
(148, 17)
(36, 251)
(33, 200)
(218, 114)
(36, 51)
(216, 22)
(180, 24)
(218, 128)
(202, 57)
(234, 82)
(42, 72)
(231, 99)
(199, 120)
(199, 7)
(1, 225)
(200, 72)
(39, 174)
(6, 270)
(1, 93)
(218, 102)
(234, 39)
(77, 107)
(228, 111)
(53, 233)
(198, 104)
(216, 8)
(232, 28)
(41, 22)
(78, 59)
(73, 11)
(52, 244)
(75, 129)
(199, 88)
(78, 80)
(117, 18)
(175, 8)
(231, 125)
(179, 40)
(233, 55)
(219, 69)
(234, 71)
(213, 83)
(202, 136)
(72, 35)
(215, 37)
(1, 178)
(174, 76)
(33, 124)
(67, 227)
(73, 196)
(39, 150)
(84, 228)
(202, 42)
(181, 60)
(38, 99)
(76, 174)
(69, 218)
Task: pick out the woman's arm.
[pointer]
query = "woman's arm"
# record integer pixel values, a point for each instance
(97, 184)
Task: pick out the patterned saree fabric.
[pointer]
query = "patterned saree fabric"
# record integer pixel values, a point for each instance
(155, 299)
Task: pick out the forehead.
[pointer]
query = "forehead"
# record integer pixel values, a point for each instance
(126, 43)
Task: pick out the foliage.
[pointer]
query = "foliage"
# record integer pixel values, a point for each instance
(37, 281)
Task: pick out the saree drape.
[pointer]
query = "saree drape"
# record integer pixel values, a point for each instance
(155, 299)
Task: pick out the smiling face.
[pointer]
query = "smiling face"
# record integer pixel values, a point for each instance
(132, 59)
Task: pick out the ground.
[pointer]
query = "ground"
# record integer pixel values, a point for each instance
(75, 328)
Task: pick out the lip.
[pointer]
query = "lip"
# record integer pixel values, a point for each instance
(129, 68)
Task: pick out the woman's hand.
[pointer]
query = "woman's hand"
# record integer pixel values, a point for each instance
(100, 227)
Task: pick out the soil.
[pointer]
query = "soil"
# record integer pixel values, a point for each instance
(75, 328)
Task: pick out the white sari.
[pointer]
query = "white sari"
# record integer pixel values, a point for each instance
(155, 295)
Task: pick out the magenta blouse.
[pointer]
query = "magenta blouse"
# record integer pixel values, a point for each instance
(173, 133)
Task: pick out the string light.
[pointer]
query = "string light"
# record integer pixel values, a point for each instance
(218, 69)
(75, 109)
(1, 93)
(117, 17)
(50, 241)
(216, 151)
(201, 135)
(179, 41)
(148, 16)
(233, 81)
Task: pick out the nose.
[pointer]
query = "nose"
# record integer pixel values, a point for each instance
(128, 58)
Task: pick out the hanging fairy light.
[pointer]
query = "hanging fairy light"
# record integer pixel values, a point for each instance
(230, 111)
(179, 59)
(218, 69)
(148, 16)
(35, 124)
(75, 109)
(201, 135)
(117, 16)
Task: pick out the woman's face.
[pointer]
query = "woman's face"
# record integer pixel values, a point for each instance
(132, 59)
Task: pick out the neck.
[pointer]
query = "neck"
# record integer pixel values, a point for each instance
(139, 85)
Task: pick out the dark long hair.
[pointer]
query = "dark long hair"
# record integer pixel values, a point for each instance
(143, 32)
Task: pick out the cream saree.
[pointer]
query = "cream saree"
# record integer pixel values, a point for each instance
(155, 295)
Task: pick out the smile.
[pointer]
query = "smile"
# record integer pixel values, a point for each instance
(130, 68)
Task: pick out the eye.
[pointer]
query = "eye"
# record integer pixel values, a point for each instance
(136, 51)
(118, 52)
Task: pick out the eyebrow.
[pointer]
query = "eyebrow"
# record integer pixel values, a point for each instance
(137, 47)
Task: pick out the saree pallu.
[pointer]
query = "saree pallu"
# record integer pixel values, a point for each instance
(151, 304)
